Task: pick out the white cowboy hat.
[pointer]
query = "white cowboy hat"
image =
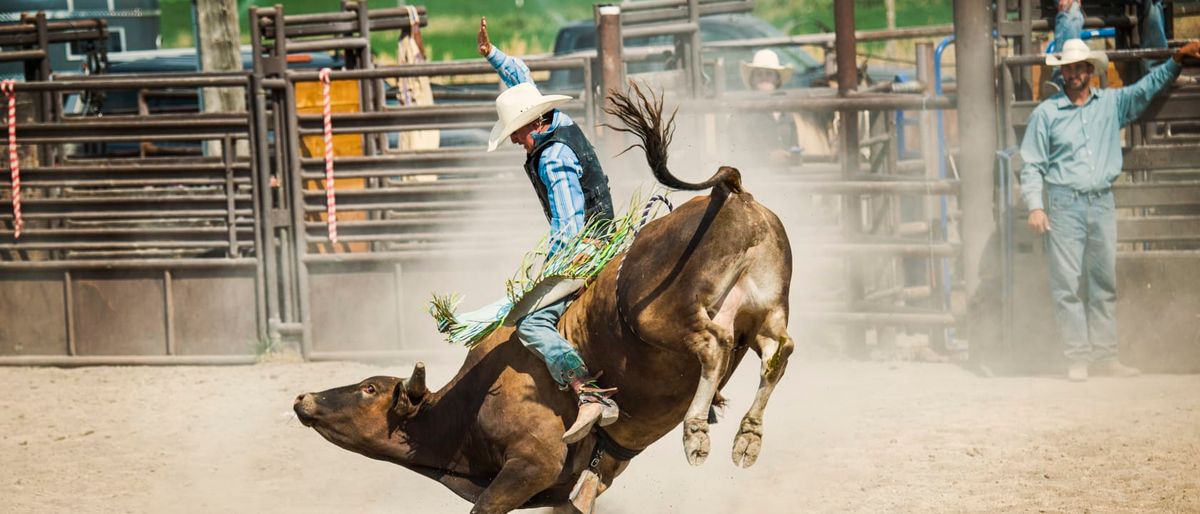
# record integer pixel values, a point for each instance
(766, 60)
(1075, 50)
(518, 106)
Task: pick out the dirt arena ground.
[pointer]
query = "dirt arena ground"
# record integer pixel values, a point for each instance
(840, 437)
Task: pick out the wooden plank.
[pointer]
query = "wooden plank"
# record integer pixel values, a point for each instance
(1155, 195)
(1159, 228)
(1160, 157)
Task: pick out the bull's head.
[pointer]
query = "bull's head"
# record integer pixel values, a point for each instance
(362, 417)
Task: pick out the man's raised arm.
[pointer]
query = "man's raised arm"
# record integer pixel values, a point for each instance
(512, 70)
(1134, 99)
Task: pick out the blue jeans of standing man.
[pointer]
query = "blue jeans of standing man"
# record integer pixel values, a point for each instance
(1082, 249)
(538, 331)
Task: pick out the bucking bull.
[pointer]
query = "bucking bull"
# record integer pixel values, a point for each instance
(668, 323)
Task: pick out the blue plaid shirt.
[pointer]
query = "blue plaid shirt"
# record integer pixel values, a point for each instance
(558, 167)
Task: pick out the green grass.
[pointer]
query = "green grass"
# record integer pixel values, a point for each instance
(530, 27)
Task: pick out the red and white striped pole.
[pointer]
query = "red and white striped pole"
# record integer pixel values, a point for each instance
(14, 162)
(330, 196)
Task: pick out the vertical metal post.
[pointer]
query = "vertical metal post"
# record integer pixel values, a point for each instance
(976, 73)
(69, 310)
(847, 75)
(589, 98)
(169, 309)
(230, 194)
(44, 109)
(291, 185)
(610, 50)
(295, 183)
(931, 158)
(261, 182)
(694, 60)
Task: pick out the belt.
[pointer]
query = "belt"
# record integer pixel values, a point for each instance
(1094, 193)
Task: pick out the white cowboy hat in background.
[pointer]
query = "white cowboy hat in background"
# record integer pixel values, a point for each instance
(1075, 50)
(766, 60)
(518, 106)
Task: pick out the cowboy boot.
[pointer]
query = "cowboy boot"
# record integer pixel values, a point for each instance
(595, 406)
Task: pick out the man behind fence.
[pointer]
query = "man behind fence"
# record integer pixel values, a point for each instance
(1072, 153)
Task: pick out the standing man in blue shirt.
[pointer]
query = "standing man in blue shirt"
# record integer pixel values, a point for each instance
(573, 190)
(1072, 153)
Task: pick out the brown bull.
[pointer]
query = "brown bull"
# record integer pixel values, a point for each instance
(668, 325)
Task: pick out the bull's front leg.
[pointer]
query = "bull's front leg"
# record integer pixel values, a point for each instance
(773, 346)
(518, 481)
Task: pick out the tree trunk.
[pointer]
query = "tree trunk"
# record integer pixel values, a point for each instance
(217, 23)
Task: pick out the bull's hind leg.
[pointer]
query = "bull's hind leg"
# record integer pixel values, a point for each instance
(774, 346)
(713, 346)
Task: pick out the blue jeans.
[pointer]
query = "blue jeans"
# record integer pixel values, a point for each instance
(1082, 249)
(538, 331)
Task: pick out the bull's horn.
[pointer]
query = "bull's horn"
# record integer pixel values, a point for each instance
(415, 385)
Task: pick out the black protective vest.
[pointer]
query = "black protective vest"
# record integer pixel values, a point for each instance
(597, 202)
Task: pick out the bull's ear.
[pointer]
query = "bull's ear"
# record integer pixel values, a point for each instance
(401, 406)
(415, 385)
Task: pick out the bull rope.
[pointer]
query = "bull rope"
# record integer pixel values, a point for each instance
(330, 194)
(617, 280)
(8, 86)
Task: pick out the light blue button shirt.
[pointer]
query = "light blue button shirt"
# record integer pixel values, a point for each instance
(1080, 146)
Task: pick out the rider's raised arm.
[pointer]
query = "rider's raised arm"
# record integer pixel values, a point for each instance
(512, 70)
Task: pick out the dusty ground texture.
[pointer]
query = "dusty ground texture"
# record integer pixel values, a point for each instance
(840, 437)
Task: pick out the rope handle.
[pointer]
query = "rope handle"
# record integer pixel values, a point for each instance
(646, 210)
(330, 193)
(8, 87)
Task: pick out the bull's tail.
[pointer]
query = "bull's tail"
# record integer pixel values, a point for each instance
(643, 117)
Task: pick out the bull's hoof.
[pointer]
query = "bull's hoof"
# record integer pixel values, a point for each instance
(695, 440)
(748, 443)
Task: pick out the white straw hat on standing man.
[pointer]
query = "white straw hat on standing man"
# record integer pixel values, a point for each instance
(518, 106)
(1075, 50)
(766, 59)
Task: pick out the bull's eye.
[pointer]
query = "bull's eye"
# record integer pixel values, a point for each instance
(369, 389)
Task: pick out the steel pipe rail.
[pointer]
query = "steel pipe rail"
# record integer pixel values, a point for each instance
(634, 13)
(942, 319)
(852, 102)
(444, 116)
(69, 361)
(827, 38)
(144, 264)
(471, 67)
(136, 128)
(422, 206)
(27, 25)
(669, 29)
(332, 24)
(443, 174)
(925, 187)
(60, 36)
(109, 82)
(78, 213)
(22, 55)
(884, 247)
(1113, 55)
